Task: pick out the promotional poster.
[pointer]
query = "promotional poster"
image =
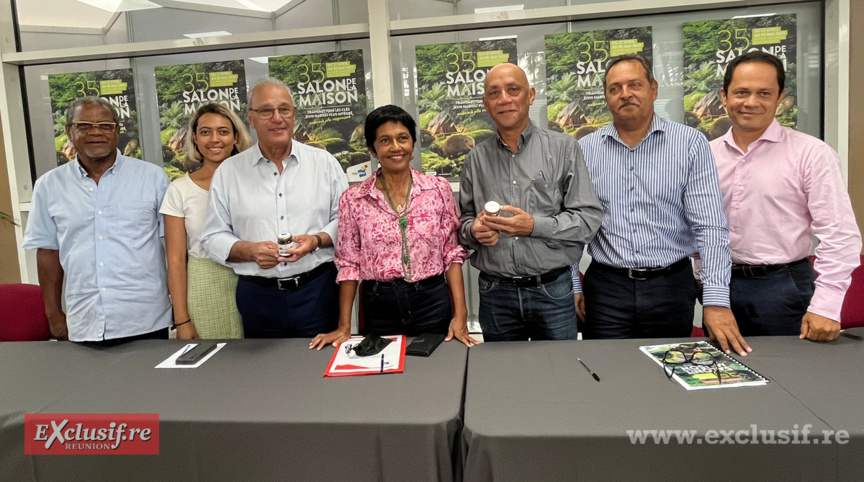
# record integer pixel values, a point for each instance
(710, 45)
(451, 117)
(575, 67)
(329, 91)
(115, 86)
(181, 90)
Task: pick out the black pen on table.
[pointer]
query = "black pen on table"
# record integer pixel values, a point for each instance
(382, 363)
(588, 369)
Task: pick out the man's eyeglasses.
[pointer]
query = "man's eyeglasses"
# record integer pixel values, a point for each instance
(86, 127)
(689, 353)
(267, 112)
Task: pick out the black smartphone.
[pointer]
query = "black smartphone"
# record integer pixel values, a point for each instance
(424, 344)
(195, 355)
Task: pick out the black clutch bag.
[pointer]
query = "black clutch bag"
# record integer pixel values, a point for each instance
(424, 344)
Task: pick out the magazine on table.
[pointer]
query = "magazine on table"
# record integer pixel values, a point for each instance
(345, 361)
(696, 376)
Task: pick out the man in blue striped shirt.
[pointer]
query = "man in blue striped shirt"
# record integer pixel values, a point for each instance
(658, 184)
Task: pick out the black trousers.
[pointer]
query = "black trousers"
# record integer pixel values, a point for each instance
(773, 304)
(411, 309)
(302, 312)
(658, 307)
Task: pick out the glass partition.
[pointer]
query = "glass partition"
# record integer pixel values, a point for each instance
(47, 125)
(668, 56)
(55, 24)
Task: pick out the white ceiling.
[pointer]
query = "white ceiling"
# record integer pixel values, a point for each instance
(75, 13)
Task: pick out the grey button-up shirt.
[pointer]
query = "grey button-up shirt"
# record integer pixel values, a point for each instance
(547, 178)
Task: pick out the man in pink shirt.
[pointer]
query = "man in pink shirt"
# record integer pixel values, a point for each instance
(780, 188)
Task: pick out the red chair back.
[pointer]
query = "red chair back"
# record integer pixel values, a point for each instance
(22, 317)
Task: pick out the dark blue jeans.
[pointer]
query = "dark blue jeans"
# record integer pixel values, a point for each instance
(510, 313)
(773, 304)
(295, 313)
(402, 308)
(619, 307)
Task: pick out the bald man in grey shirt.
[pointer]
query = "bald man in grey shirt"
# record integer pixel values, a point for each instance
(549, 211)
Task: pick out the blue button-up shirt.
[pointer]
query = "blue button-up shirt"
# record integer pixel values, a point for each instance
(251, 201)
(108, 238)
(662, 201)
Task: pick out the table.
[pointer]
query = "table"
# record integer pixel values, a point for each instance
(257, 410)
(533, 413)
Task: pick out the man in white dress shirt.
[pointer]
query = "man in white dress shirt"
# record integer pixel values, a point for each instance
(278, 186)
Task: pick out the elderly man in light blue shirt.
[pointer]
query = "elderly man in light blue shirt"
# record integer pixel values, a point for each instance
(95, 224)
(278, 186)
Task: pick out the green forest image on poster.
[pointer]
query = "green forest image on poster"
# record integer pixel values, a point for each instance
(575, 66)
(329, 91)
(452, 118)
(181, 90)
(115, 86)
(710, 45)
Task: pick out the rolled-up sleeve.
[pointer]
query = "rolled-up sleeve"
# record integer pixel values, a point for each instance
(217, 235)
(338, 185)
(347, 256)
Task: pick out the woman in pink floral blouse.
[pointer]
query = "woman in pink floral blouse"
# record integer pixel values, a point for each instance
(397, 233)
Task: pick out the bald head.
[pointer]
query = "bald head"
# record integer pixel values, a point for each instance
(506, 69)
(507, 98)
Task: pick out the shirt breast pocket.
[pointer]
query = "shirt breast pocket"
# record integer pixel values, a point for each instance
(545, 197)
(135, 216)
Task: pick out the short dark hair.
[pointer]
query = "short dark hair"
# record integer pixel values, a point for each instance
(93, 100)
(755, 56)
(646, 64)
(383, 115)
